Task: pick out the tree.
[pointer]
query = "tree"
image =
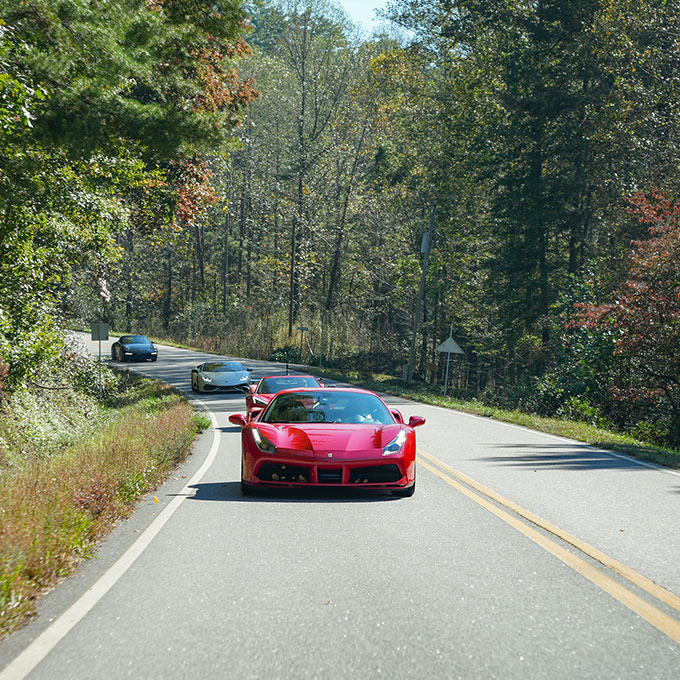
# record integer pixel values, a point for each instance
(97, 101)
(643, 321)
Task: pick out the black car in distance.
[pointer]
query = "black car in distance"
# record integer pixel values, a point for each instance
(131, 347)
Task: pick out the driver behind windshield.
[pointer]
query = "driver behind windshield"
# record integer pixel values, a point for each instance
(337, 407)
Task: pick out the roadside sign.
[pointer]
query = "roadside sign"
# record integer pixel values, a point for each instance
(450, 346)
(100, 331)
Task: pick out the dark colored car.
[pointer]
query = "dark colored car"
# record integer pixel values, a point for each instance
(130, 347)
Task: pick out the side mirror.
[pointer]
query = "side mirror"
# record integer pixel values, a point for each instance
(238, 419)
(415, 421)
(255, 411)
(249, 369)
(397, 415)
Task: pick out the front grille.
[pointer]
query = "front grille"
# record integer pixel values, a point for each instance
(280, 472)
(329, 475)
(375, 474)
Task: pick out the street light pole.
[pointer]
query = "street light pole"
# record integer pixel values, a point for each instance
(427, 249)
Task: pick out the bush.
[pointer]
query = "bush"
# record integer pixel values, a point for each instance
(647, 431)
(580, 410)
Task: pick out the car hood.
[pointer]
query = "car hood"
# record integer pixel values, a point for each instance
(342, 440)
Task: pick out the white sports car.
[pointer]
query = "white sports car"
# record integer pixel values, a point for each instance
(220, 376)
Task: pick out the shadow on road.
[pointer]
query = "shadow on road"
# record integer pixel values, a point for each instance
(560, 456)
(231, 491)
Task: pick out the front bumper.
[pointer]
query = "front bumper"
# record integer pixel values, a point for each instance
(378, 474)
(141, 356)
(211, 387)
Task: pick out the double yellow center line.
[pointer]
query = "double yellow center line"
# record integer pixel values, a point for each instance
(657, 618)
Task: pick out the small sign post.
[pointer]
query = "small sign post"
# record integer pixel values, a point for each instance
(450, 346)
(100, 331)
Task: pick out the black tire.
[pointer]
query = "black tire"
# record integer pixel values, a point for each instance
(154, 358)
(193, 387)
(405, 493)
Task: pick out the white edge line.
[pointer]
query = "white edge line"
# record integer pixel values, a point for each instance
(524, 428)
(37, 650)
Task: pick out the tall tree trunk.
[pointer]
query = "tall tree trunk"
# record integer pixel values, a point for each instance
(130, 248)
(167, 305)
(225, 263)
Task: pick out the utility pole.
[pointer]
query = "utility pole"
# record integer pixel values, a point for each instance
(425, 248)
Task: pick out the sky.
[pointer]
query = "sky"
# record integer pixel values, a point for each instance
(362, 11)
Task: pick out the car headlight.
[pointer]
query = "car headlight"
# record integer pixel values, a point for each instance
(262, 442)
(243, 377)
(206, 378)
(395, 445)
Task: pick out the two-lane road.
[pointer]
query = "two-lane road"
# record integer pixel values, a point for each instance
(521, 555)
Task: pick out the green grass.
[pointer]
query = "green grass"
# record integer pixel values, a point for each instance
(54, 507)
(583, 432)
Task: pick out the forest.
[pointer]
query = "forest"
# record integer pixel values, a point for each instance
(224, 175)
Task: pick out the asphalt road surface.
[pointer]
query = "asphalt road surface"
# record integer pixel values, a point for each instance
(521, 555)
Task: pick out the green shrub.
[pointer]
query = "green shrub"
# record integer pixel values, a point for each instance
(582, 411)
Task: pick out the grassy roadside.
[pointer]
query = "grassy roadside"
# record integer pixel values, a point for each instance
(579, 431)
(54, 508)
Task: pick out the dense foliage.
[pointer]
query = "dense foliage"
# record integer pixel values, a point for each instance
(517, 134)
(101, 107)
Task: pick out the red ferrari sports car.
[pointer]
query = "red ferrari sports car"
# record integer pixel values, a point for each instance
(262, 393)
(328, 437)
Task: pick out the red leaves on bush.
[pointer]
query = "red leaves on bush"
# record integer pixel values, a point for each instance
(644, 318)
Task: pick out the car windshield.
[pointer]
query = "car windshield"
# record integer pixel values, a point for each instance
(134, 339)
(272, 385)
(223, 367)
(327, 407)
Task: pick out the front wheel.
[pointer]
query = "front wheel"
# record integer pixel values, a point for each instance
(154, 358)
(405, 493)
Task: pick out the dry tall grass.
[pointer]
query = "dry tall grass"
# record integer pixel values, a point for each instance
(53, 511)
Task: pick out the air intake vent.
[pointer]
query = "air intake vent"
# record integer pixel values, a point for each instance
(330, 475)
(375, 474)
